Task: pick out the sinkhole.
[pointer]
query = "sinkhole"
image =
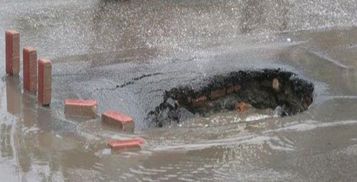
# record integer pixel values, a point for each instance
(279, 90)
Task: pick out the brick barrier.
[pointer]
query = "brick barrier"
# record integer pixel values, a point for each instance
(135, 143)
(12, 47)
(37, 76)
(80, 108)
(121, 120)
(30, 69)
(44, 82)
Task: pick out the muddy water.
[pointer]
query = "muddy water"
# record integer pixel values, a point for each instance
(126, 54)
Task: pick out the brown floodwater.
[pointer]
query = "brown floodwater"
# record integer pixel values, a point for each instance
(125, 54)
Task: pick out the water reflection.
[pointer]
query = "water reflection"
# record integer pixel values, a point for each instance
(5, 139)
(13, 95)
(41, 145)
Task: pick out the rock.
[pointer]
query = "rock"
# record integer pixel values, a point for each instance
(276, 84)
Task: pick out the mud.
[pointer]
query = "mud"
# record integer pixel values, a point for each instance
(281, 91)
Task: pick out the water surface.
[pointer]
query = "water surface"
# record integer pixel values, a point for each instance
(96, 45)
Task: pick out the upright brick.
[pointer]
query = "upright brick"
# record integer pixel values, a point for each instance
(44, 82)
(80, 108)
(30, 69)
(12, 46)
(121, 120)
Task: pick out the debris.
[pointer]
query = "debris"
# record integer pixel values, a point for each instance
(253, 127)
(261, 89)
(276, 84)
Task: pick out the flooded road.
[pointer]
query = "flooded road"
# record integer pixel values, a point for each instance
(126, 54)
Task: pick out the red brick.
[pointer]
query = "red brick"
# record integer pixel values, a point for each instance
(44, 81)
(242, 107)
(12, 46)
(126, 144)
(199, 102)
(80, 108)
(30, 69)
(232, 89)
(124, 122)
(218, 93)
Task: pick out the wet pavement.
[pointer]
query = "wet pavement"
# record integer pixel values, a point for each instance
(126, 54)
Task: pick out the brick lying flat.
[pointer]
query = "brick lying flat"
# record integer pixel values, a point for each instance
(218, 93)
(199, 102)
(30, 69)
(232, 89)
(44, 82)
(12, 47)
(242, 107)
(124, 122)
(80, 108)
(126, 144)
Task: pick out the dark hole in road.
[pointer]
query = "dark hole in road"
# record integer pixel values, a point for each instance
(262, 89)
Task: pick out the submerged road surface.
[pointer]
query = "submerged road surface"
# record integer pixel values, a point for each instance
(126, 54)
